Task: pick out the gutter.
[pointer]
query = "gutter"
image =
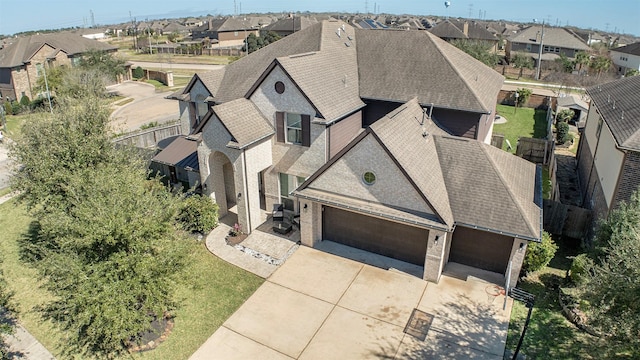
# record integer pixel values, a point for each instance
(251, 143)
(500, 232)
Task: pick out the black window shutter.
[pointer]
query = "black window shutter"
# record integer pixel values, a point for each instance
(306, 130)
(279, 126)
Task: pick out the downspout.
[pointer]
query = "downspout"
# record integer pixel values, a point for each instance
(246, 189)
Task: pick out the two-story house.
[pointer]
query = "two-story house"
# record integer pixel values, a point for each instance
(26, 59)
(453, 29)
(609, 150)
(270, 121)
(626, 58)
(228, 32)
(555, 42)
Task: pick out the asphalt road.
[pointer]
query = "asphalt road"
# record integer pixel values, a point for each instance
(147, 106)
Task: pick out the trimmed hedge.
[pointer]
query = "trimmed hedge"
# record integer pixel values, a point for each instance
(198, 214)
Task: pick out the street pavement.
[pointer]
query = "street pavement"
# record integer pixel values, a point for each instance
(147, 106)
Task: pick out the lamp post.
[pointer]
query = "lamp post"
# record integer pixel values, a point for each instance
(539, 50)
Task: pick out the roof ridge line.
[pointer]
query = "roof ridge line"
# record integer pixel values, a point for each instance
(511, 194)
(464, 80)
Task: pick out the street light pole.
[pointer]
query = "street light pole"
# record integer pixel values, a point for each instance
(540, 52)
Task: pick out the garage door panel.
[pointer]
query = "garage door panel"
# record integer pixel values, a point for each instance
(480, 249)
(399, 241)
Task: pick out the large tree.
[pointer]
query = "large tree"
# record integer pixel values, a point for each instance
(522, 62)
(612, 289)
(106, 244)
(7, 313)
(480, 50)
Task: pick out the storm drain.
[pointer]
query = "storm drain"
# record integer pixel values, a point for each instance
(419, 324)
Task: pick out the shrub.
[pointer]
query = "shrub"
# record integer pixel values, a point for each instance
(25, 102)
(523, 96)
(539, 254)
(562, 133)
(8, 108)
(198, 214)
(579, 269)
(138, 73)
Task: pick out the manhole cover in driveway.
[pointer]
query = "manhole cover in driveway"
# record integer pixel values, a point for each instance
(419, 324)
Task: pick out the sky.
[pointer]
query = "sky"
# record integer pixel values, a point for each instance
(622, 16)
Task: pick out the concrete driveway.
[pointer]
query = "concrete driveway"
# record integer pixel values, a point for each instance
(147, 106)
(321, 306)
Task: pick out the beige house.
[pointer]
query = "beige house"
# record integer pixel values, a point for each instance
(27, 58)
(269, 121)
(225, 32)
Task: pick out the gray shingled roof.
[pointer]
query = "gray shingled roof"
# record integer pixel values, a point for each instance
(391, 65)
(244, 121)
(181, 152)
(398, 66)
(446, 30)
(466, 182)
(618, 102)
(291, 24)
(552, 37)
(633, 49)
(21, 50)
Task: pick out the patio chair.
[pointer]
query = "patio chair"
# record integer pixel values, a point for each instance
(278, 212)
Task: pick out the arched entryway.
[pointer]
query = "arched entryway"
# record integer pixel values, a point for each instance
(222, 182)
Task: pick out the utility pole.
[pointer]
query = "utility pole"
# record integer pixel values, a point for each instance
(540, 52)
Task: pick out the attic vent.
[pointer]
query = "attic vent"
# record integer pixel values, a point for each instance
(350, 37)
(343, 28)
(622, 116)
(614, 104)
(338, 32)
(424, 133)
(347, 44)
(608, 97)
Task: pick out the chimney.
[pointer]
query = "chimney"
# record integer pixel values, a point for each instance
(210, 24)
(465, 28)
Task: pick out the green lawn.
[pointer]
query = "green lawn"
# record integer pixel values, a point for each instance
(210, 292)
(550, 335)
(521, 122)
(14, 122)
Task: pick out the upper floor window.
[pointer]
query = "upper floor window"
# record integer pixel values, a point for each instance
(38, 69)
(293, 128)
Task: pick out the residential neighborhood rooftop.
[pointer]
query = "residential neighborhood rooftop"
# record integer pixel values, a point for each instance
(553, 36)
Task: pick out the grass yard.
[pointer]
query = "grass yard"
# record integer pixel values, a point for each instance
(210, 292)
(550, 335)
(521, 122)
(14, 122)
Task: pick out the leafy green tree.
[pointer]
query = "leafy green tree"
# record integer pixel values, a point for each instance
(173, 36)
(54, 80)
(480, 50)
(565, 115)
(565, 64)
(103, 62)
(631, 72)
(562, 132)
(612, 288)
(539, 254)
(258, 42)
(198, 214)
(522, 62)
(582, 58)
(106, 247)
(600, 63)
(138, 73)
(523, 96)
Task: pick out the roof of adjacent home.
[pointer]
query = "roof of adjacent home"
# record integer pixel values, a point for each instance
(22, 49)
(380, 64)
(294, 24)
(552, 37)
(464, 181)
(454, 29)
(618, 102)
(632, 49)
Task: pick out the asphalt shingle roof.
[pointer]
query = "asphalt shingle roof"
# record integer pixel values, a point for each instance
(632, 49)
(388, 65)
(465, 181)
(21, 50)
(618, 102)
(244, 121)
(552, 37)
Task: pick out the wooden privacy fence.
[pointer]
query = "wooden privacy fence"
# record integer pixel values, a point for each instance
(149, 138)
(539, 151)
(568, 220)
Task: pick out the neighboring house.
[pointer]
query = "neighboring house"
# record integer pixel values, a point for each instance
(287, 26)
(609, 151)
(26, 59)
(228, 32)
(368, 24)
(556, 42)
(579, 107)
(175, 27)
(626, 58)
(405, 189)
(449, 30)
(270, 120)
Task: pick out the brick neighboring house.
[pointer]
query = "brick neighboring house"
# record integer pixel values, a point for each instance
(626, 58)
(270, 120)
(556, 41)
(229, 32)
(609, 150)
(449, 30)
(24, 60)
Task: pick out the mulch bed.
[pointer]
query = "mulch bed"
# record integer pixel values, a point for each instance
(235, 240)
(160, 330)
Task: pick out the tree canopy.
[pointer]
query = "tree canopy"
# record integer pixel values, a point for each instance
(257, 42)
(480, 50)
(612, 286)
(106, 243)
